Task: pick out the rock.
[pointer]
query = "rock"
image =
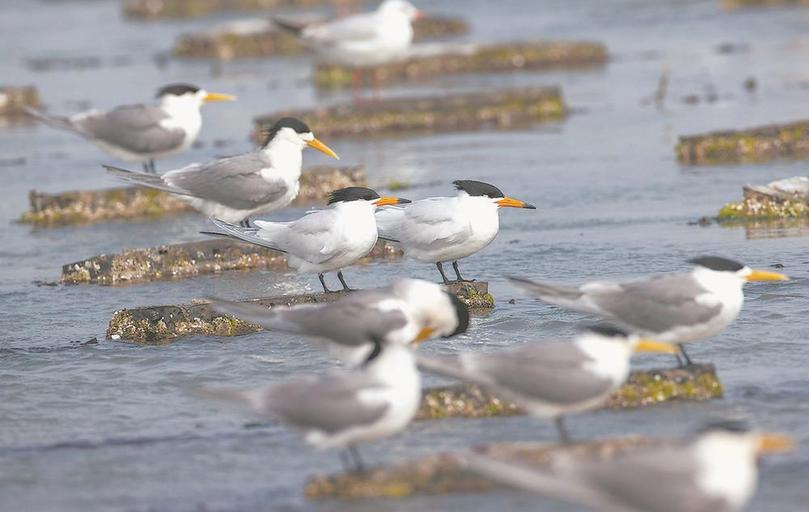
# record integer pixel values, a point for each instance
(444, 474)
(782, 199)
(499, 109)
(157, 325)
(259, 38)
(163, 9)
(93, 206)
(758, 144)
(431, 61)
(696, 382)
(743, 4)
(14, 100)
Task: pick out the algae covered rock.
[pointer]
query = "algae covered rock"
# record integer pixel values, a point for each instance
(14, 100)
(778, 200)
(164, 9)
(760, 144)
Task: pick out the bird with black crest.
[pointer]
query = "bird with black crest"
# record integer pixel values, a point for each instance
(142, 133)
(238, 187)
(323, 240)
(446, 229)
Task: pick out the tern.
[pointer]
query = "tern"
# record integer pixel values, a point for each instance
(235, 188)
(715, 470)
(361, 40)
(555, 378)
(408, 311)
(143, 133)
(676, 308)
(322, 240)
(340, 409)
(443, 229)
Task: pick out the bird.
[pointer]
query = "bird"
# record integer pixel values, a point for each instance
(142, 133)
(714, 469)
(407, 311)
(676, 308)
(341, 409)
(444, 229)
(554, 378)
(235, 188)
(360, 40)
(322, 240)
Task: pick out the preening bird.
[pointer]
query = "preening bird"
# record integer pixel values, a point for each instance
(716, 470)
(341, 409)
(676, 308)
(322, 240)
(142, 133)
(554, 378)
(407, 311)
(444, 229)
(235, 188)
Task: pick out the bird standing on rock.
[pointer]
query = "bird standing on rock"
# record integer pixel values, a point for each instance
(407, 311)
(235, 188)
(442, 229)
(554, 378)
(142, 133)
(676, 308)
(322, 240)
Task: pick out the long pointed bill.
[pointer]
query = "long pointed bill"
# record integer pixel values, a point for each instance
(217, 96)
(510, 202)
(423, 334)
(775, 443)
(387, 201)
(763, 275)
(656, 346)
(316, 144)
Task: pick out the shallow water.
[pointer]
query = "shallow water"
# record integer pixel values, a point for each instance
(107, 426)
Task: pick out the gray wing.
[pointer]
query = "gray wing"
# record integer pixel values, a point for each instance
(656, 480)
(133, 127)
(358, 27)
(657, 304)
(552, 371)
(235, 181)
(330, 403)
(353, 320)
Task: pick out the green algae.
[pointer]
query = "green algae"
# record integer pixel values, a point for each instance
(759, 144)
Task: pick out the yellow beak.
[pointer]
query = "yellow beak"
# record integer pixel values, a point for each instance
(645, 345)
(316, 144)
(510, 202)
(423, 334)
(387, 201)
(216, 96)
(775, 443)
(763, 275)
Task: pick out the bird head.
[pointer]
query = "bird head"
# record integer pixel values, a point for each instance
(440, 313)
(298, 133)
(191, 94)
(717, 267)
(486, 192)
(401, 8)
(362, 195)
(717, 439)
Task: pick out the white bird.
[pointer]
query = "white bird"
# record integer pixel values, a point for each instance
(361, 40)
(716, 470)
(238, 187)
(340, 409)
(410, 310)
(676, 308)
(322, 240)
(443, 229)
(554, 378)
(143, 133)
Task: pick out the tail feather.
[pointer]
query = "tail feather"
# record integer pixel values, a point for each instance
(443, 365)
(294, 28)
(144, 180)
(249, 235)
(547, 291)
(60, 122)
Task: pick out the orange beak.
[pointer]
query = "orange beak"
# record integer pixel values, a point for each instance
(510, 202)
(218, 96)
(316, 144)
(387, 201)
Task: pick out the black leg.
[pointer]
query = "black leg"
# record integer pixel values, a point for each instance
(152, 168)
(441, 269)
(146, 167)
(458, 273)
(358, 465)
(323, 282)
(343, 281)
(245, 223)
(560, 427)
(685, 355)
(345, 461)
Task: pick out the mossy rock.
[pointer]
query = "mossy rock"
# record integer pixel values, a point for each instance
(760, 144)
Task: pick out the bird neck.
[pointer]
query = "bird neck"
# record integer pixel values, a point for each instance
(727, 466)
(610, 358)
(181, 106)
(393, 363)
(285, 154)
(718, 282)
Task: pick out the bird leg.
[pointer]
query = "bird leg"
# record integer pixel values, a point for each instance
(685, 355)
(343, 282)
(146, 166)
(458, 273)
(152, 168)
(560, 427)
(245, 223)
(345, 461)
(441, 269)
(323, 282)
(359, 467)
